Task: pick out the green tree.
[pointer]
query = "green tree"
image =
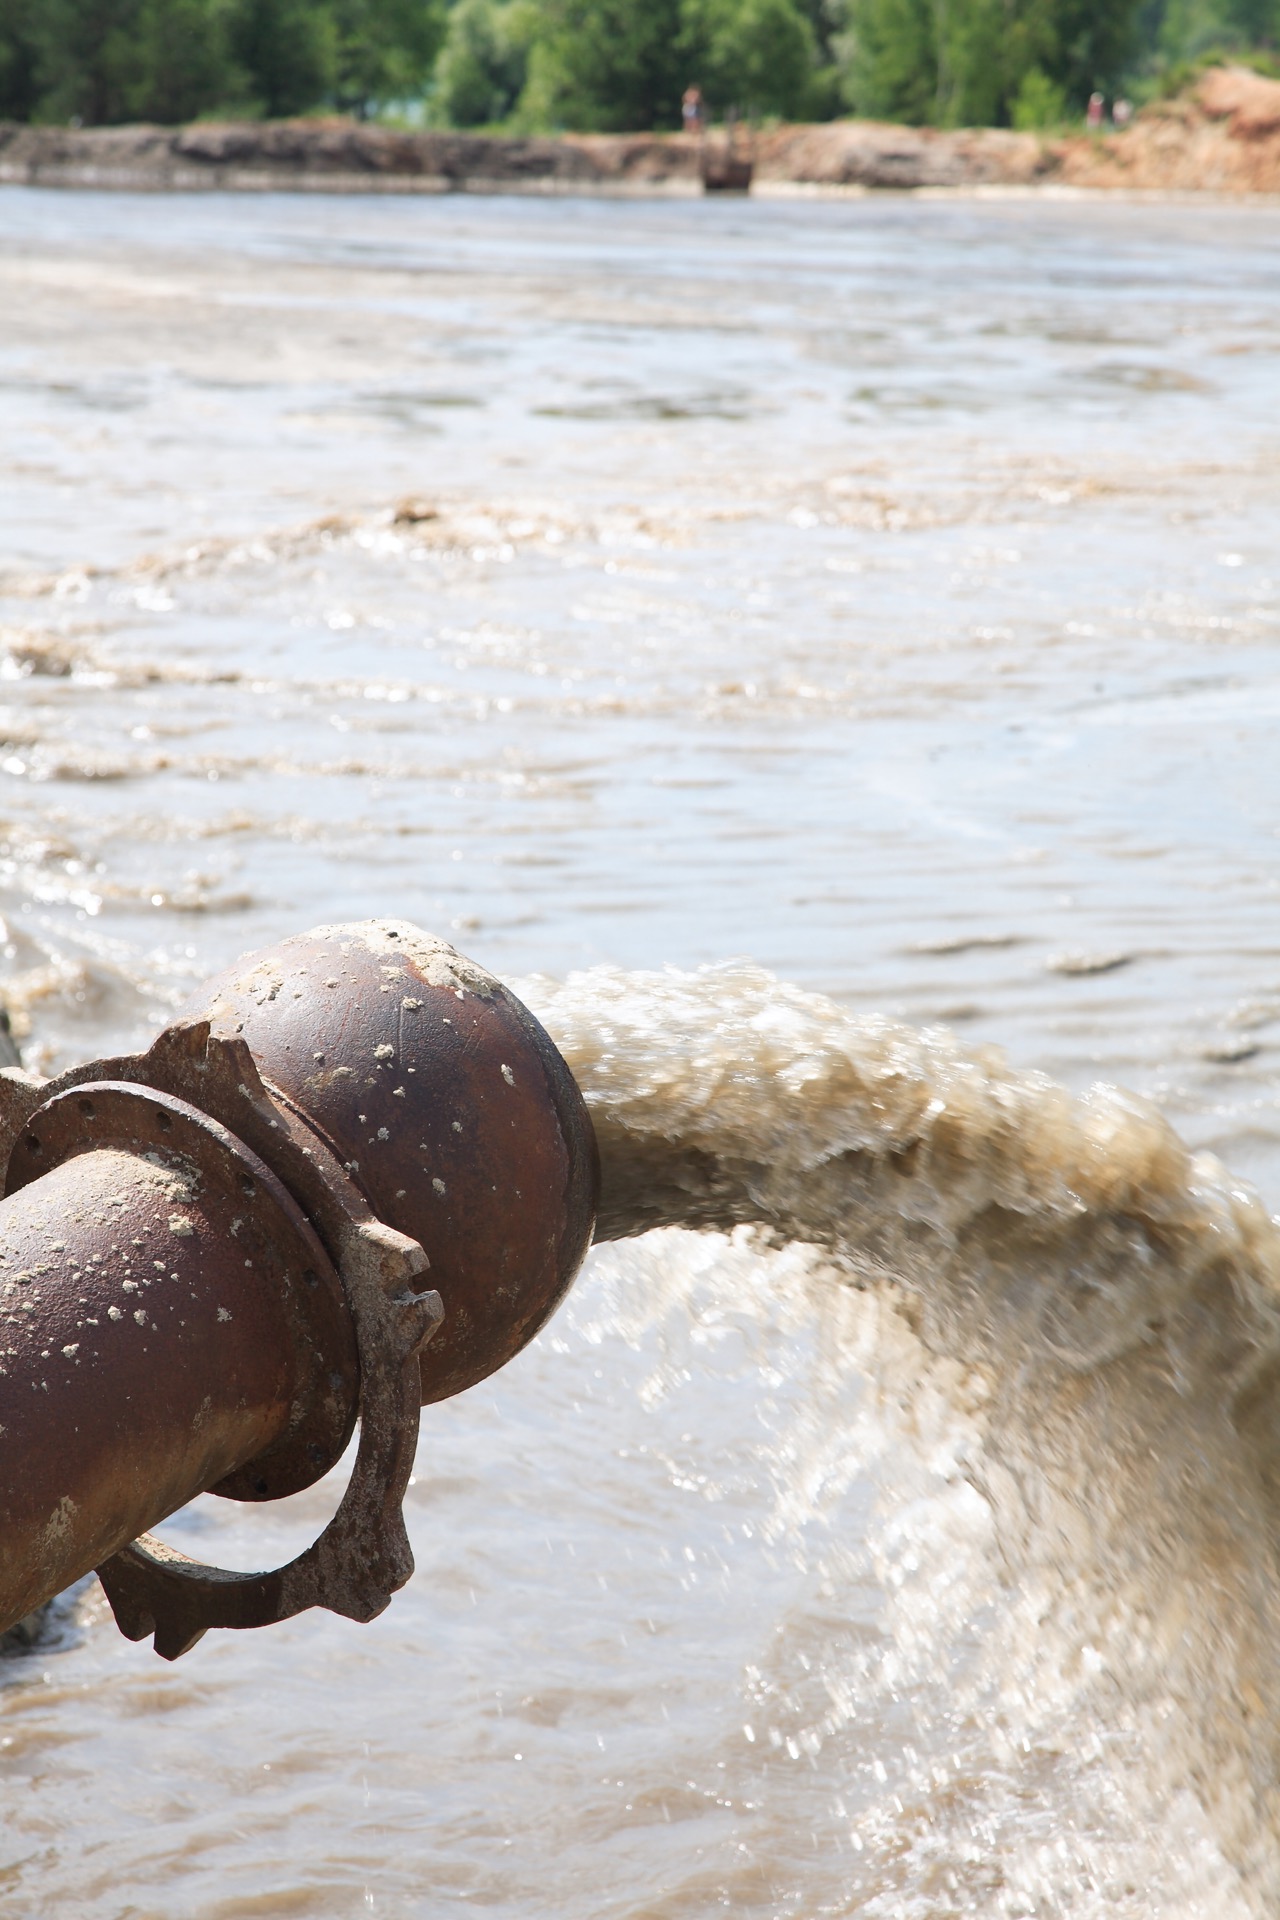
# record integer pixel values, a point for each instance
(889, 53)
(356, 55)
(84, 59)
(965, 62)
(754, 55)
(385, 50)
(1184, 29)
(1040, 102)
(825, 17)
(180, 65)
(1257, 22)
(19, 60)
(606, 66)
(484, 63)
(972, 63)
(1096, 41)
(102, 61)
(287, 52)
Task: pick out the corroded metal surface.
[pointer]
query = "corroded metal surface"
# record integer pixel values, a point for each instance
(221, 1079)
(148, 1345)
(267, 1237)
(305, 1290)
(363, 1556)
(20, 1095)
(448, 1105)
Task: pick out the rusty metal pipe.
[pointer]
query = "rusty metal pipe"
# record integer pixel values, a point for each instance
(148, 1344)
(209, 1261)
(449, 1105)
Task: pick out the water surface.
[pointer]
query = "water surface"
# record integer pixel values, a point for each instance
(884, 590)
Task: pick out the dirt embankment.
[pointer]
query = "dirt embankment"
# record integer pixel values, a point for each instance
(1222, 136)
(341, 155)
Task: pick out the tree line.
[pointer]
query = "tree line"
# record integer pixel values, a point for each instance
(604, 65)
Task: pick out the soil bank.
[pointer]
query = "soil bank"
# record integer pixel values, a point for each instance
(1221, 136)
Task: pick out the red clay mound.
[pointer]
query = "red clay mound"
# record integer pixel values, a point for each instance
(1248, 102)
(1222, 136)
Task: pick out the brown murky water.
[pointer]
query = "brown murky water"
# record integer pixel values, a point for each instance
(884, 592)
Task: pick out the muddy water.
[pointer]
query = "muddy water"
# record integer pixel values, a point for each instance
(886, 593)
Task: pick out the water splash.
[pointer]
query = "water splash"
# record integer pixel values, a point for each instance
(1112, 1298)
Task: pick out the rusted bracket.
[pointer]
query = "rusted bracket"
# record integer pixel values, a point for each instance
(363, 1556)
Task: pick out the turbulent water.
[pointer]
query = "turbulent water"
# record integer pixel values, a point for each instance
(886, 593)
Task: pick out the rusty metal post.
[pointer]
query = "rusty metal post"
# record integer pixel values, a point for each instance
(211, 1259)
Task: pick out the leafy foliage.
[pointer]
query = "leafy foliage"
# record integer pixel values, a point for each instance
(89, 59)
(617, 64)
(979, 62)
(104, 61)
(484, 63)
(1175, 33)
(607, 64)
(1039, 103)
(284, 54)
(753, 55)
(19, 60)
(384, 49)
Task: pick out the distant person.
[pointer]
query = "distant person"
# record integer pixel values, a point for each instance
(692, 110)
(1097, 105)
(1122, 113)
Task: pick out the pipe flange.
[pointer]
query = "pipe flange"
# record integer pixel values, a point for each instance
(363, 1556)
(220, 1078)
(288, 1257)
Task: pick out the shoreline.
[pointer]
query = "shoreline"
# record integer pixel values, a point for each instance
(1221, 140)
(351, 185)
